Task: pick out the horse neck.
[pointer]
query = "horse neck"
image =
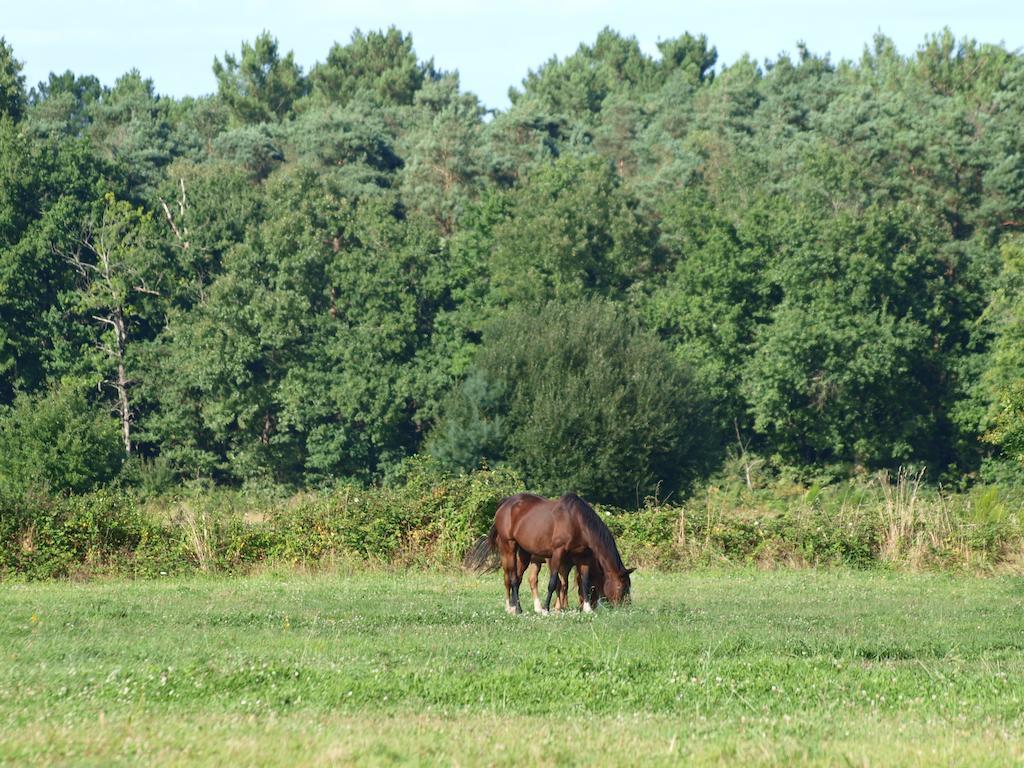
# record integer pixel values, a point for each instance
(607, 557)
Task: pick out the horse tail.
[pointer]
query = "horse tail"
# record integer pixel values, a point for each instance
(481, 556)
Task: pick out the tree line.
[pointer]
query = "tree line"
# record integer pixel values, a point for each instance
(645, 266)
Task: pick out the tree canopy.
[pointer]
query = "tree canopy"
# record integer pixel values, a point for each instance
(310, 276)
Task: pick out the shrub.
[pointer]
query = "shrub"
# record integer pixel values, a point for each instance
(44, 536)
(1008, 432)
(57, 441)
(573, 395)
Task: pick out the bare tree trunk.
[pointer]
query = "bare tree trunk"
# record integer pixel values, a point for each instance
(115, 319)
(743, 456)
(121, 384)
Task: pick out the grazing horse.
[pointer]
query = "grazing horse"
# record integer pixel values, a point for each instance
(565, 532)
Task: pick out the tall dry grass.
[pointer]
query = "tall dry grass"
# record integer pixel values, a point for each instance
(198, 535)
(901, 521)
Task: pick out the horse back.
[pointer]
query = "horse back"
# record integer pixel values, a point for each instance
(537, 524)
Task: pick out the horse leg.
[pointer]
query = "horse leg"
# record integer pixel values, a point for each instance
(522, 561)
(507, 552)
(583, 582)
(563, 586)
(534, 570)
(554, 583)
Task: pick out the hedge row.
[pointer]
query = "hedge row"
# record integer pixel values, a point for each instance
(432, 519)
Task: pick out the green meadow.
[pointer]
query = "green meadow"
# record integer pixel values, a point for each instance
(708, 667)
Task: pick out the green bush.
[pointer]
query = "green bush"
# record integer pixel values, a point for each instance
(33, 542)
(433, 517)
(1008, 432)
(44, 536)
(57, 441)
(574, 395)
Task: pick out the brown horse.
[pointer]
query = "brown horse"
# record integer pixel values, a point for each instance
(564, 532)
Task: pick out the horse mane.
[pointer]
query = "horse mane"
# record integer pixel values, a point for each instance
(595, 525)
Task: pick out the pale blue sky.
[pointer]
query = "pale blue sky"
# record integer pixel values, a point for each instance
(492, 45)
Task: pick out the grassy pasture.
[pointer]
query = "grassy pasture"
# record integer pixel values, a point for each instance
(706, 667)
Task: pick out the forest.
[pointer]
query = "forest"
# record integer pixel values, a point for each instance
(646, 271)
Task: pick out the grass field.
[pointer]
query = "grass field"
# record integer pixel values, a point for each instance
(710, 667)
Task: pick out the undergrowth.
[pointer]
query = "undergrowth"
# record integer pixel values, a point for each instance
(432, 518)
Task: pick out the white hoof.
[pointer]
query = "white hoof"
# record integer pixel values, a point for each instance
(587, 608)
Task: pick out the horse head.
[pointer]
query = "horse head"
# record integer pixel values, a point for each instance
(617, 585)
